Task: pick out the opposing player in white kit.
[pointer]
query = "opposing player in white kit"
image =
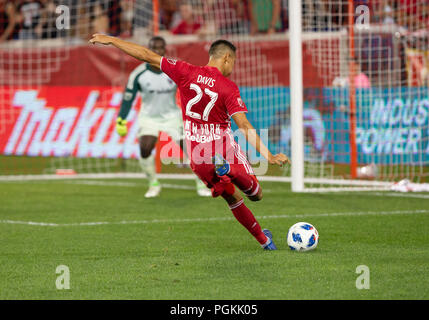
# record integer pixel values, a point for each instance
(158, 112)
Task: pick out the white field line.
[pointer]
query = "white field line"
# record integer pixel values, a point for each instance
(77, 180)
(359, 185)
(103, 183)
(344, 189)
(177, 186)
(126, 184)
(187, 176)
(399, 194)
(133, 184)
(212, 219)
(113, 183)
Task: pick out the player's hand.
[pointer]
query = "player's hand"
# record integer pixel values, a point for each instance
(101, 39)
(121, 126)
(279, 159)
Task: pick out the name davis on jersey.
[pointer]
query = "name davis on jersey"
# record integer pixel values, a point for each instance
(206, 80)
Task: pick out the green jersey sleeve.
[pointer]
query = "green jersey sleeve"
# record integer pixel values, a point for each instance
(130, 92)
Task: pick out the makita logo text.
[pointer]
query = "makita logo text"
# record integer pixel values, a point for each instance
(81, 131)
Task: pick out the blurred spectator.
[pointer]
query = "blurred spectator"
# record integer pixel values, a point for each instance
(338, 13)
(99, 19)
(48, 19)
(188, 24)
(142, 15)
(114, 10)
(7, 20)
(230, 16)
(264, 16)
(127, 16)
(388, 14)
(318, 15)
(81, 28)
(168, 12)
(91, 18)
(29, 19)
(413, 14)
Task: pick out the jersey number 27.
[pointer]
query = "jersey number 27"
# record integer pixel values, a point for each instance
(213, 97)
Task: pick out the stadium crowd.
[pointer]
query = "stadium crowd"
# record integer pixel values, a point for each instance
(36, 19)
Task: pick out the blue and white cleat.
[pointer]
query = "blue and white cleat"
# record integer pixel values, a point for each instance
(270, 245)
(222, 166)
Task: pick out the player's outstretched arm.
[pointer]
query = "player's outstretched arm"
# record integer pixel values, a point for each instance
(250, 133)
(137, 51)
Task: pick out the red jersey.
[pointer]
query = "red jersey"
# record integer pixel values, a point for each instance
(208, 100)
(185, 28)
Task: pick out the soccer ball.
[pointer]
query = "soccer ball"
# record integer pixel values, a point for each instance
(302, 236)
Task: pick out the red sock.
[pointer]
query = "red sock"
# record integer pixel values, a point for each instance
(248, 220)
(245, 182)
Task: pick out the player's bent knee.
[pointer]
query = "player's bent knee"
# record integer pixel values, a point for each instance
(232, 196)
(257, 197)
(255, 192)
(234, 201)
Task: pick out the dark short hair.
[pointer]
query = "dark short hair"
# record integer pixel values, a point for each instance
(156, 38)
(219, 47)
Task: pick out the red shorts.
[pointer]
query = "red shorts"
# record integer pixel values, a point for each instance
(236, 158)
(218, 185)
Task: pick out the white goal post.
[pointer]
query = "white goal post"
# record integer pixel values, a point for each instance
(296, 99)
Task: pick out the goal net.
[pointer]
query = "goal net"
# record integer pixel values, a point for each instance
(365, 84)
(366, 107)
(60, 97)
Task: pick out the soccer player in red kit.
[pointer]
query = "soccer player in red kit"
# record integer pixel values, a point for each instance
(209, 101)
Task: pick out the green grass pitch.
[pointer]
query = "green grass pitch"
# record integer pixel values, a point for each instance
(119, 245)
